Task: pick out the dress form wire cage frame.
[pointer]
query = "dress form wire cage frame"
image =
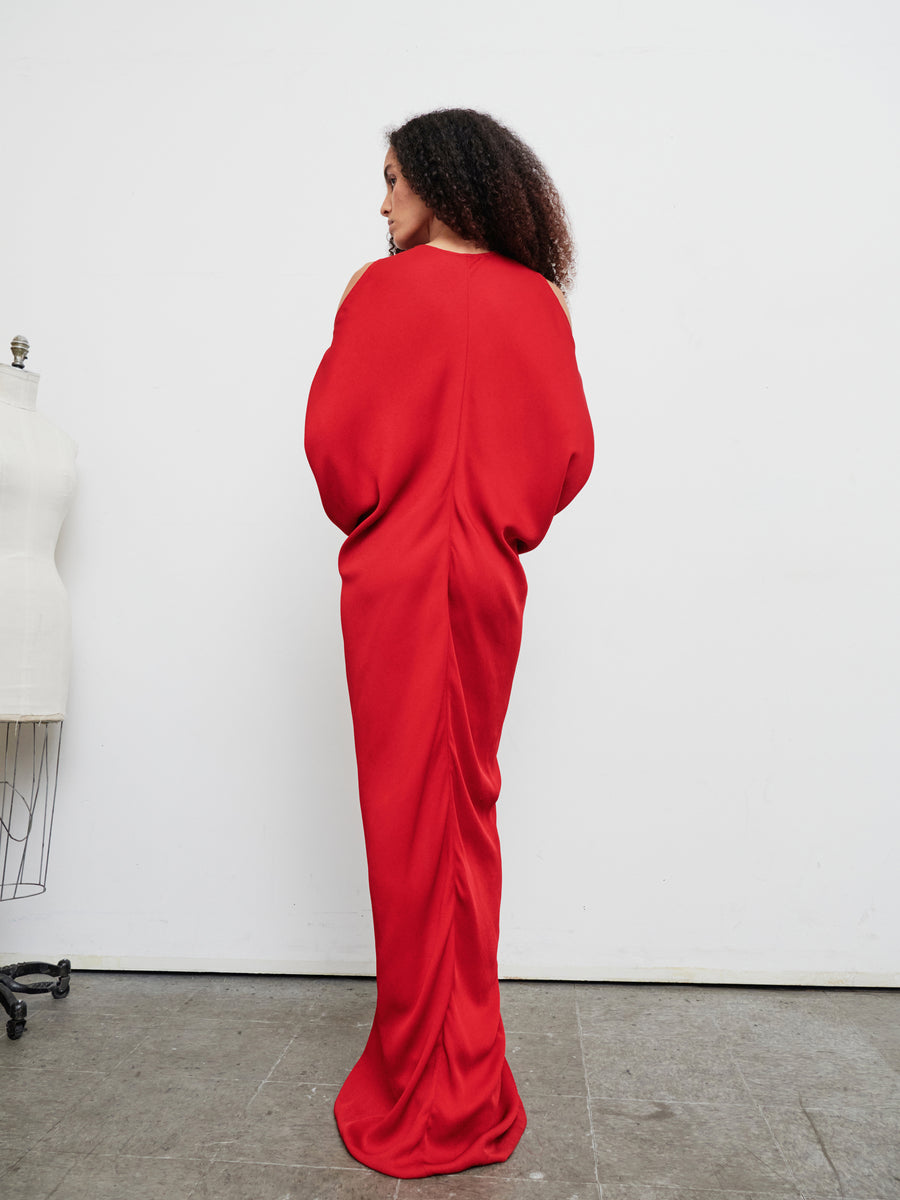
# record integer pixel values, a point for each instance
(28, 780)
(29, 771)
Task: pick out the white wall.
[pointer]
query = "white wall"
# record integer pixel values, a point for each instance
(701, 757)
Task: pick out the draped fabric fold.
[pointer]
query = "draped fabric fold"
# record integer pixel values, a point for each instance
(446, 426)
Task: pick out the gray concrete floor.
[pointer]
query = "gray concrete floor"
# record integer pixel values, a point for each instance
(144, 1087)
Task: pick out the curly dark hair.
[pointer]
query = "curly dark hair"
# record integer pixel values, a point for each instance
(488, 186)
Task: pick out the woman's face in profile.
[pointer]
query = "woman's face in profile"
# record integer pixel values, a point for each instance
(409, 217)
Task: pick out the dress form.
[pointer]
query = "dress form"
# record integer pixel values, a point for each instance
(37, 478)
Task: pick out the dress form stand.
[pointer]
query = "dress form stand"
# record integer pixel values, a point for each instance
(36, 481)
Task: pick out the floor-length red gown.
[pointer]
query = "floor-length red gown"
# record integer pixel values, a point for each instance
(446, 426)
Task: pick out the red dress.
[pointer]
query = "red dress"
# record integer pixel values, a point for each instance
(446, 426)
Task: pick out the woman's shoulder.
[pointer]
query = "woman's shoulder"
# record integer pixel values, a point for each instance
(383, 267)
(561, 297)
(354, 280)
(395, 272)
(521, 275)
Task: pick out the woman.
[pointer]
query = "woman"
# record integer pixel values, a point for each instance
(446, 426)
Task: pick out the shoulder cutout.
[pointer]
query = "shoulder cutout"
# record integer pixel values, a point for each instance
(354, 280)
(561, 298)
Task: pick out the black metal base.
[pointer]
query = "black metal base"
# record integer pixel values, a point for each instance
(57, 985)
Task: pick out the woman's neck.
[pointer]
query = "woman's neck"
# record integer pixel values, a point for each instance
(444, 238)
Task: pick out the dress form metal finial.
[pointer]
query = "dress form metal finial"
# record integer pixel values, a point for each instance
(20, 347)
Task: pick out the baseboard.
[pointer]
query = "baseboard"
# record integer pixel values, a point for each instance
(594, 973)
